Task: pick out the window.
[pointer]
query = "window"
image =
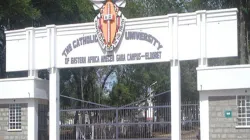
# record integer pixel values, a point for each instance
(243, 103)
(14, 117)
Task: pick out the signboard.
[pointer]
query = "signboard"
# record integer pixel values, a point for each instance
(114, 40)
(137, 47)
(228, 114)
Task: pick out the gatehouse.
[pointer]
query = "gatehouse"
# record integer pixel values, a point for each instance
(114, 40)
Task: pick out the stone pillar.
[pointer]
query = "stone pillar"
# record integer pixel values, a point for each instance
(201, 27)
(54, 104)
(175, 100)
(204, 116)
(30, 38)
(203, 62)
(54, 86)
(175, 79)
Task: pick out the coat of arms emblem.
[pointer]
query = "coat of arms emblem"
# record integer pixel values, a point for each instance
(109, 23)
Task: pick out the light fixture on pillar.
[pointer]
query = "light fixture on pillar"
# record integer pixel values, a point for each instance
(2, 50)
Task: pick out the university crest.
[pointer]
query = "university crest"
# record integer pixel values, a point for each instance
(109, 23)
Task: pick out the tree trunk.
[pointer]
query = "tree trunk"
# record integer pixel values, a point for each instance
(243, 48)
(81, 75)
(76, 118)
(248, 28)
(2, 64)
(3, 57)
(78, 105)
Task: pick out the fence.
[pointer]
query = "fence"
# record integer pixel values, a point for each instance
(148, 118)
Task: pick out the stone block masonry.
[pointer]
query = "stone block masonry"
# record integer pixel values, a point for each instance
(222, 128)
(5, 134)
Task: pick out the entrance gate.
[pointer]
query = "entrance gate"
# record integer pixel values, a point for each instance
(149, 118)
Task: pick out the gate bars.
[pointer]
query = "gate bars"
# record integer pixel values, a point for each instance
(149, 118)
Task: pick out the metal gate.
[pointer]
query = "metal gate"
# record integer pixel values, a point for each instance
(148, 118)
(190, 120)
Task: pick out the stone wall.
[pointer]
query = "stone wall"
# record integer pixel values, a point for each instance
(221, 127)
(4, 119)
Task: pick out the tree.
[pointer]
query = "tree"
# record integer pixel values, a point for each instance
(189, 81)
(15, 14)
(2, 51)
(121, 95)
(64, 11)
(139, 78)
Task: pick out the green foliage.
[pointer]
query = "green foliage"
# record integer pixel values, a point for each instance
(64, 11)
(121, 95)
(80, 84)
(163, 7)
(134, 9)
(146, 8)
(17, 13)
(210, 4)
(189, 81)
(138, 78)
